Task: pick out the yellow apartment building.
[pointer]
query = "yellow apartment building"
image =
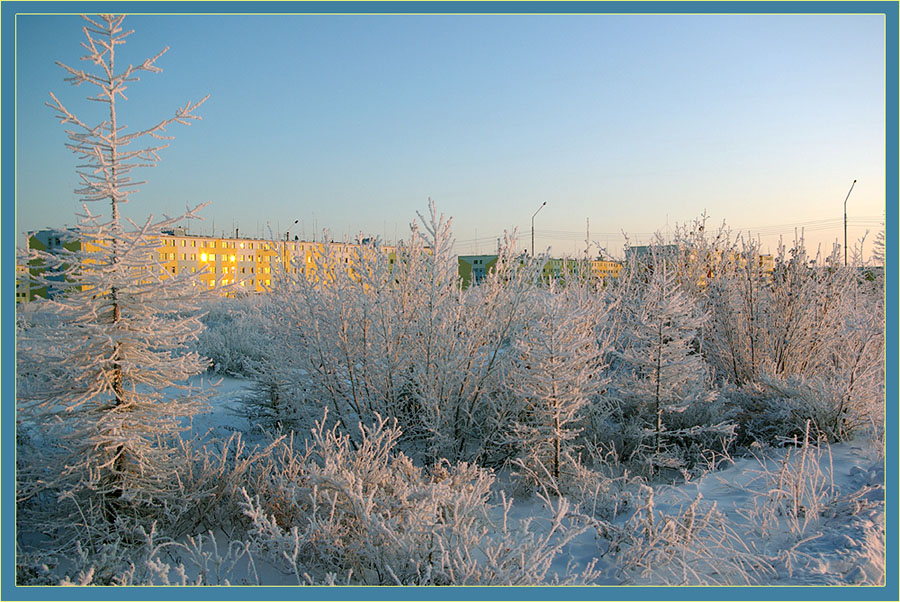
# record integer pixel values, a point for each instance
(242, 264)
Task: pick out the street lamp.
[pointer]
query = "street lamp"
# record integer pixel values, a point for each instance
(845, 221)
(532, 226)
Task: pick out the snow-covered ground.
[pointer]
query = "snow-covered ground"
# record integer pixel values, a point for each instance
(789, 516)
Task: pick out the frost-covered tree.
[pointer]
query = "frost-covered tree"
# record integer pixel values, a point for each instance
(101, 375)
(665, 372)
(738, 299)
(878, 255)
(557, 369)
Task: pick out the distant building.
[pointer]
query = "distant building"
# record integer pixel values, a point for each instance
(606, 268)
(244, 264)
(475, 268)
(642, 251)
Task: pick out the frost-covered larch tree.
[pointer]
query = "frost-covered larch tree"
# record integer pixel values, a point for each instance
(557, 369)
(667, 371)
(94, 372)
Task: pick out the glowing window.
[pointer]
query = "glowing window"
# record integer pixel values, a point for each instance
(232, 258)
(202, 256)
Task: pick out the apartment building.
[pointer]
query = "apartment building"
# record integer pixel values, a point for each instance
(238, 263)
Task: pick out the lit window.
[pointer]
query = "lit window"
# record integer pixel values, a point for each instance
(242, 245)
(203, 256)
(212, 244)
(232, 258)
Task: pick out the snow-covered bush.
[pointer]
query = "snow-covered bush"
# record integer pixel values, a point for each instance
(232, 337)
(199, 560)
(398, 336)
(819, 350)
(693, 545)
(364, 514)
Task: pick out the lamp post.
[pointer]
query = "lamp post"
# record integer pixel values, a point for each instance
(532, 226)
(845, 221)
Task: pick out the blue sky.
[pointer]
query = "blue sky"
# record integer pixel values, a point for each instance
(350, 123)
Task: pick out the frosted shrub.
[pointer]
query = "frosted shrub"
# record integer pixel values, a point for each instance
(602, 493)
(692, 546)
(198, 560)
(400, 339)
(796, 493)
(232, 337)
(365, 514)
(805, 342)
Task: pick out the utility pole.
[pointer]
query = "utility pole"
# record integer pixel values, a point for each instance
(845, 221)
(532, 226)
(587, 239)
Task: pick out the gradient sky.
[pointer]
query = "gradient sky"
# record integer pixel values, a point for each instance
(350, 123)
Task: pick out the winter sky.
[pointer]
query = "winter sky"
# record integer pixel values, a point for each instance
(350, 123)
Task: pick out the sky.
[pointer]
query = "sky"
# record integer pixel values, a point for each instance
(350, 123)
